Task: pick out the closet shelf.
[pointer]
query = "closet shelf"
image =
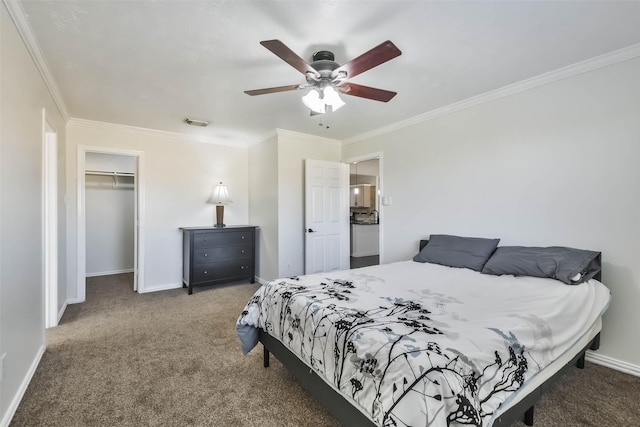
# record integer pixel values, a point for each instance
(107, 173)
(114, 175)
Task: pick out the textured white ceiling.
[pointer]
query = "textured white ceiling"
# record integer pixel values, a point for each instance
(150, 64)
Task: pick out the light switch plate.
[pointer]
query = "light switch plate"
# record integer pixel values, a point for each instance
(386, 200)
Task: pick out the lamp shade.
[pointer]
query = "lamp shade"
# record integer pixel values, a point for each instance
(220, 195)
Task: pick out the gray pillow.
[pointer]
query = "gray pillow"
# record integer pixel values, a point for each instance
(456, 251)
(569, 265)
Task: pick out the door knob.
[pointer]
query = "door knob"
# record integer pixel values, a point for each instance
(311, 231)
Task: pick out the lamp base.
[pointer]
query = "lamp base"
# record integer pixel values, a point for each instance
(219, 216)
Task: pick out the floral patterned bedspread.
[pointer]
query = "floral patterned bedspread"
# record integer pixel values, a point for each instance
(421, 344)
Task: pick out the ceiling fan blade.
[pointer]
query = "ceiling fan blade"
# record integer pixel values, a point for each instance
(289, 56)
(366, 92)
(272, 90)
(372, 58)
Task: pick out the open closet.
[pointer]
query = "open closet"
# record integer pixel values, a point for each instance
(110, 211)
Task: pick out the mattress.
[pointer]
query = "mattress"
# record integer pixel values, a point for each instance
(422, 344)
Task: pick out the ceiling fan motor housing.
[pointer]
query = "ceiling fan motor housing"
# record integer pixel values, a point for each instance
(323, 55)
(323, 62)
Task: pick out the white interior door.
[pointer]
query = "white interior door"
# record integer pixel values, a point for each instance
(326, 216)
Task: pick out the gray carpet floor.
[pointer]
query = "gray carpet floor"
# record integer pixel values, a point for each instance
(172, 359)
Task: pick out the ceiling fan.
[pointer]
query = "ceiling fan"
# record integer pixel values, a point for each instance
(328, 78)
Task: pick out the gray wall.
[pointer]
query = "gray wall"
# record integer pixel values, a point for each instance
(110, 219)
(24, 95)
(276, 177)
(177, 179)
(263, 205)
(554, 165)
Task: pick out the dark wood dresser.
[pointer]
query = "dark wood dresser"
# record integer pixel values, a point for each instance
(212, 255)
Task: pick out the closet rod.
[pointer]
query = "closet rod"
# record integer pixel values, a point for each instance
(90, 172)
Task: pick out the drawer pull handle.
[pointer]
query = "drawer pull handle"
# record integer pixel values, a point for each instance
(205, 272)
(243, 251)
(242, 268)
(206, 254)
(242, 237)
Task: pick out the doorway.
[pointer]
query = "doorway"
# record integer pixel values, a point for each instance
(365, 216)
(122, 171)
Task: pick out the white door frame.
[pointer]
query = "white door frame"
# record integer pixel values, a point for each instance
(50, 221)
(138, 246)
(371, 156)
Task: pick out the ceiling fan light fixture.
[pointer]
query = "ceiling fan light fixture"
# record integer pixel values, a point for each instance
(321, 100)
(332, 98)
(326, 77)
(313, 101)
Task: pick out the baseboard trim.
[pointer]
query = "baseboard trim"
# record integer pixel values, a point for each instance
(109, 273)
(610, 362)
(13, 406)
(169, 286)
(164, 287)
(61, 312)
(261, 280)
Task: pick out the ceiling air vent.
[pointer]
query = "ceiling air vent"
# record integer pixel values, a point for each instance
(194, 122)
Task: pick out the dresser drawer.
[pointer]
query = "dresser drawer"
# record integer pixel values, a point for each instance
(221, 238)
(221, 253)
(219, 271)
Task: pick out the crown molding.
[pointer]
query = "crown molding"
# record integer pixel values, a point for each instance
(24, 29)
(611, 58)
(152, 132)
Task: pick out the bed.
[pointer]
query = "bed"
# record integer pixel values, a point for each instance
(466, 333)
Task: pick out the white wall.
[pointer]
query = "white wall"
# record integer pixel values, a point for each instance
(24, 95)
(263, 205)
(277, 197)
(109, 224)
(554, 165)
(110, 214)
(179, 176)
(109, 162)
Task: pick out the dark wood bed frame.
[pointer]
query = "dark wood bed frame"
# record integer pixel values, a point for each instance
(349, 415)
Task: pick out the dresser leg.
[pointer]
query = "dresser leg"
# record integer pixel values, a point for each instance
(253, 279)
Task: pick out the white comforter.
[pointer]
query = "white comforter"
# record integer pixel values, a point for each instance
(413, 344)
